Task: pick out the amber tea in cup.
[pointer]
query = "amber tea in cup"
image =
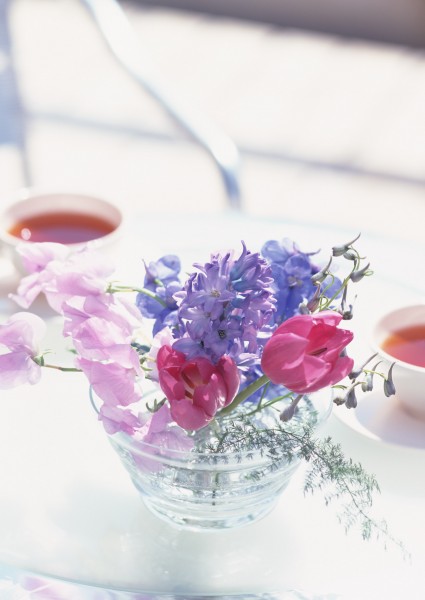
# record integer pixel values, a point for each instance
(407, 344)
(72, 219)
(61, 227)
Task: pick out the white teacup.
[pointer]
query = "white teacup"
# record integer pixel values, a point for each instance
(70, 218)
(409, 379)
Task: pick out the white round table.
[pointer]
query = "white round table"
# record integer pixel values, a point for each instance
(68, 510)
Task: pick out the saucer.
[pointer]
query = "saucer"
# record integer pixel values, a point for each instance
(384, 419)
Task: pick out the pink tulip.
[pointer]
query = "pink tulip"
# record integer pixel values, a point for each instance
(304, 353)
(19, 338)
(196, 389)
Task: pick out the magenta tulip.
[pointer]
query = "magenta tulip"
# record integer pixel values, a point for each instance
(196, 389)
(304, 353)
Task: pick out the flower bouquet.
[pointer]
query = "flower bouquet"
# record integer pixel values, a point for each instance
(210, 385)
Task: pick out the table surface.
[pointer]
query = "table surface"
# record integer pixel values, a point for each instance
(69, 511)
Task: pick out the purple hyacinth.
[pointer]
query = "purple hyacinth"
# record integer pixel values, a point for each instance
(224, 306)
(162, 278)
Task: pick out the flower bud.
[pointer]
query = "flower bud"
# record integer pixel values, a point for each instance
(356, 276)
(345, 311)
(314, 302)
(303, 308)
(367, 384)
(347, 314)
(350, 255)
(321, 275)
(350, 398)
(343, 248)
(389, 387)
(356, 372)
(289, 411)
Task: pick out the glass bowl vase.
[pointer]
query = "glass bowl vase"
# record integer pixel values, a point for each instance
(224, 485)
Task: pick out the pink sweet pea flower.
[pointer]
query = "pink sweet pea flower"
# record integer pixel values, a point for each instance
(36, 257)
(159, 430)
(60, 273)
(304, 353)
(117, 384)
(116, 419)
(19, 338)
(196, 389)
(101, 327)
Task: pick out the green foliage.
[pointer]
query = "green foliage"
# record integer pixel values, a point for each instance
(337, 478)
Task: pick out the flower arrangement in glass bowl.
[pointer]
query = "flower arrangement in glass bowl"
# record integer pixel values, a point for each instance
(212, 386)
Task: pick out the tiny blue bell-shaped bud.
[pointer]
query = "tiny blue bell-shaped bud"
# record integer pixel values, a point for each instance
(314, 302)
(289, 411)
(303, 308)
(389, 387)
(357, 276)
(367, 384)
(343, 248)
(344, 311)
(321, 275)
(350, 255)
(355, 373)
(347, 314)
(350, 398)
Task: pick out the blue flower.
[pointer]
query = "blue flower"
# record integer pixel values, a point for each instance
(162, 279)
(291, 270)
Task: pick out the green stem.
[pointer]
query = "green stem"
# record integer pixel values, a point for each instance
(128, 288)
(245, 393)
(342, 286)
(261, 407)
(66, 369)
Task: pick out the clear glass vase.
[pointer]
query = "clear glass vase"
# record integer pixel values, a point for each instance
(217, 488)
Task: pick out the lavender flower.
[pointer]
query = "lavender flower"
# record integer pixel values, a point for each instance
(224, 306)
